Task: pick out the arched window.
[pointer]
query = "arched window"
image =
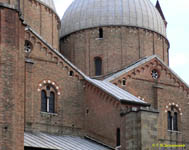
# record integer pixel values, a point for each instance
(100, 33)
(51, 102)
(43, 101)
(48, 99)
(175, 122)
(169, 121)
(123, 82)
(98, 66)
(172, 120)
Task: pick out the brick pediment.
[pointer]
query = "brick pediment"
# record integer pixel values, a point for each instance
(142, 70)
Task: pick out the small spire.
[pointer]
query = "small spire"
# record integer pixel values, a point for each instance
(158, 7)
(160, 10)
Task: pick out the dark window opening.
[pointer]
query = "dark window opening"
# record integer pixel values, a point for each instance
(27, 46)
(71, 73)
(124, 82)
(169, 121)
(175, 125)
(87, 111)
(43, 101)
(48, 87)
(100, 33)
(98, 66)
(51, 102)
(118, 137)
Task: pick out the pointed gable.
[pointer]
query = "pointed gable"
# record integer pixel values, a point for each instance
(135, 68)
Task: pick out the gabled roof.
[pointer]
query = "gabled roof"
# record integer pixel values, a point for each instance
(137, 64)
(107, 87)
(116, 92)
(47, 141)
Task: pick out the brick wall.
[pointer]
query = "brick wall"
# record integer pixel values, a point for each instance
(69, 112)
(102, 115)
(11, 81)
(119, 47)
(161, 94)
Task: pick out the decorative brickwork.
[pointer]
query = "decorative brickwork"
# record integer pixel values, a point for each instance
(128, 44)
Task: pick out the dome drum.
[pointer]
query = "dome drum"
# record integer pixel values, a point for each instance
(128, 45)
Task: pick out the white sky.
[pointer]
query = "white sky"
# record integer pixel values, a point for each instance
(177, 15)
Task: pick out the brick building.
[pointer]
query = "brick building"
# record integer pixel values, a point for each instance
(99, 79)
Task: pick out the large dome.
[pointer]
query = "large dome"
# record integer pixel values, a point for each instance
(49, 3)
(84, 14)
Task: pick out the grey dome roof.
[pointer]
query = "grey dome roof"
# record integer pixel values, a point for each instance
(49, 3)
(84, 14)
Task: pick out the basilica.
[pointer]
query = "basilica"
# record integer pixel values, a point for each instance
(97, 79)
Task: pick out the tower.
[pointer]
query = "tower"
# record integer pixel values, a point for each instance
(11, 79)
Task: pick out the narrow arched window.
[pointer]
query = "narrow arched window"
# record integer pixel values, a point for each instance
(169, 119)
(52, 102)
(100, 33)
(43, 101)
(98, 66)
(124, 82)
(172, 119)
(175, 121)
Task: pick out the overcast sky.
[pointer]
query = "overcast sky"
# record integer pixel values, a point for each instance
(177, 15)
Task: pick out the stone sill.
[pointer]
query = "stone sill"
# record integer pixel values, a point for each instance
(172, 131)
(49, 114)
(99, 39)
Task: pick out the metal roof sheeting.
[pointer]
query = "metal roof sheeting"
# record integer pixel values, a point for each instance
(47, 141)
(115, 91)
(85, 14)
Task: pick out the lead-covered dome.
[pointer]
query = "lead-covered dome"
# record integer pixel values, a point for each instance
(84, 14)
(49, 3)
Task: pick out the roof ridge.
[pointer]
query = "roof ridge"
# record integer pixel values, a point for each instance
(131, 65)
